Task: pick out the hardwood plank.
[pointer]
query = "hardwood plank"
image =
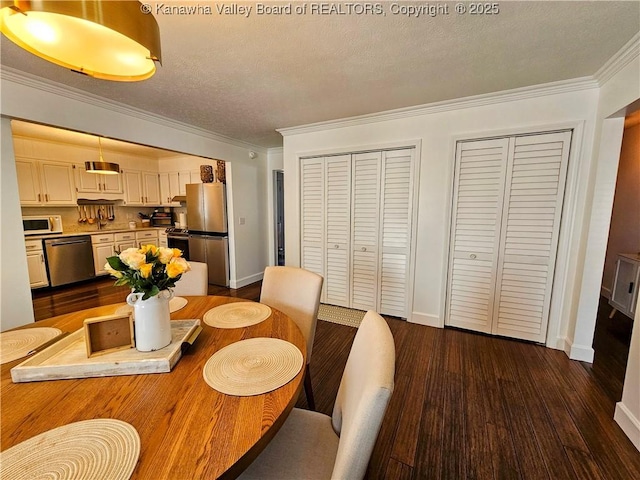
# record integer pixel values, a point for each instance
(417, 362)
(398, 470)
(428, 461)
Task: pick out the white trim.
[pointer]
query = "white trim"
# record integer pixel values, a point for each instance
(38, 83)
(243, 282)
(621, 59)
(605, 292)
(629, 424)
(426, 319)
(553, 88)
(582, 353)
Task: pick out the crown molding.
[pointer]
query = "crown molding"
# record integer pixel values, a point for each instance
(32, 81)
(629, 52)
(554, 88)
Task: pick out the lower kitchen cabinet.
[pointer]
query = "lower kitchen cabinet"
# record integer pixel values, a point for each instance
(36, 264)
(125, 240)
(147, 237)
(103, 247)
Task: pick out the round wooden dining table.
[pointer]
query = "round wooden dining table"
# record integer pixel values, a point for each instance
(187, 429)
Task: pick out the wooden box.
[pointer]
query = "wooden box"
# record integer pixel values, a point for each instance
(109, 333)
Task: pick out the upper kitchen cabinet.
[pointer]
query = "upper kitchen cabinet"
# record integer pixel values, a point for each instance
(169, 188)
(141, 188)
(185, 177)
(46, 183)
(95, 183)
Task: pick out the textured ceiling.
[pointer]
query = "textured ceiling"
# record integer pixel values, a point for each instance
(243, 77)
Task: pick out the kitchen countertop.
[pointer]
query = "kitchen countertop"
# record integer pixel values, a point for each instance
(95, 232)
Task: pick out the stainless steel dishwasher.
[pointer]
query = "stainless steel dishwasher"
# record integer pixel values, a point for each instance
(69, 259)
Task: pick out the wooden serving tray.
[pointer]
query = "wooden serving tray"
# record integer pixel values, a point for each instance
(67, 358)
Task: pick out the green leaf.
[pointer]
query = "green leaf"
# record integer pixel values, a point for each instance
(116, 263)
(121, 281)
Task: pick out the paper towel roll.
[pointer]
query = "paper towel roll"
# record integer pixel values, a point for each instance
(183, 220)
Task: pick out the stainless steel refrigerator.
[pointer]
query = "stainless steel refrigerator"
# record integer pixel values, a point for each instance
(208, 233)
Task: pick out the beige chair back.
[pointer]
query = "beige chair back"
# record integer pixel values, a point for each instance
(363, 396)
(295, 292)
(193, 282)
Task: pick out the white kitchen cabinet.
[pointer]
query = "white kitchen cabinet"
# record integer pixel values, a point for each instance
(103, 245)
(124, 240)
(36, 264)
(87, 182)
(624, 294)
(162, 238)
(169, 188)
(132, 184)
(141, 188)
(356, 227)
(507, 206)
(151, 188)
(147, 237)
(45, 182)
(185, 177)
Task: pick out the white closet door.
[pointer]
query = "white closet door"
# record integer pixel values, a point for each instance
(395, 231)
(312, 211)
(531, 214)
(338, 231)
(475, 236)
(365, 214)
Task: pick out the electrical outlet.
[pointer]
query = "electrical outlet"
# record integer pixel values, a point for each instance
(241, 220)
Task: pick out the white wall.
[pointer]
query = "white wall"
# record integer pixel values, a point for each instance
(437, 128)
(15, 294)
(30, 98)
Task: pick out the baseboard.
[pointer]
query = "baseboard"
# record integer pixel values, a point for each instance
(578, 352)
(605, 292)
(243, 282)
(629, 424)
(425, 319)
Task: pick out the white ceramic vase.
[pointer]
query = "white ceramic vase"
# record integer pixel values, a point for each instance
(152, 323)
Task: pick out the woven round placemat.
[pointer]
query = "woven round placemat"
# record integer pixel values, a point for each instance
(175, 304)
(86, 450)
(253, 366)
(18, 343)
(237, 315)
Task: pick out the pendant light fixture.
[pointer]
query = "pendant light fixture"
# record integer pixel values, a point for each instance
(110, 40)
(102, 167)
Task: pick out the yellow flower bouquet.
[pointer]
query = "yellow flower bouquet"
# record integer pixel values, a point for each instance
(148, 269)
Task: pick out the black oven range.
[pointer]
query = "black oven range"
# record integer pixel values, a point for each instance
(178, 238)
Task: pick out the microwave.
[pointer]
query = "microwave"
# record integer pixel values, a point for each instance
(42, 224)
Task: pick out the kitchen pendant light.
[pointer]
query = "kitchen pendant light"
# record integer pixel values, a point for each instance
(102, 167)
(110, 40)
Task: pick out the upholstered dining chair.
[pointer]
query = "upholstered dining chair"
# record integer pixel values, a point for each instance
(312, 445)
(295, 292)
(194, 281)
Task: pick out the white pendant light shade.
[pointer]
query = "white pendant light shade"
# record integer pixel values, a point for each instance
(111, 40)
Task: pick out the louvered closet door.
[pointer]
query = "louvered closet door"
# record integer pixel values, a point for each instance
(312, 211)
(475, 237)
(534, 194)
(365, 214)
(338, 231)
(395, 231)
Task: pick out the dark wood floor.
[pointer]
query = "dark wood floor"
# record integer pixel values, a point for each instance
(465, 405)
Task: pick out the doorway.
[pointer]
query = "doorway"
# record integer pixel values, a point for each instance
(278, 181)
(614, 321)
